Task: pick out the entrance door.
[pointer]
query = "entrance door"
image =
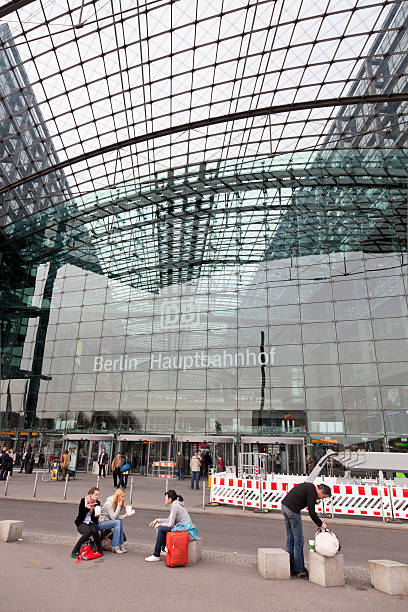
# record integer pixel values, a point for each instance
(82, 456)
(213, 449)
(138, 452)
(225, 451)
(295, 459)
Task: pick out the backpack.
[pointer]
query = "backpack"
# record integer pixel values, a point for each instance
(86, 553)
(326, 543)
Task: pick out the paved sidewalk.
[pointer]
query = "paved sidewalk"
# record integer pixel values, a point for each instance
(44, 579)
(148, 493)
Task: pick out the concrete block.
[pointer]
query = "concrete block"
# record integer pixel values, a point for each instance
(194, 551)
(326, 571)
(10, 531)
(389, 576)
(274, 564)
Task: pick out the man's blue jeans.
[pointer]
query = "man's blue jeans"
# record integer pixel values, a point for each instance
(294, 541)
(195, 476)
(117, 527)
(180, 473)
(161, 540)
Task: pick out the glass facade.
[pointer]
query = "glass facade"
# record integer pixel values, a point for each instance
(196, 242)
(311, 346)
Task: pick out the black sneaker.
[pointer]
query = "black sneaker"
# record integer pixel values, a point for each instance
(74, 555)
(303, 575)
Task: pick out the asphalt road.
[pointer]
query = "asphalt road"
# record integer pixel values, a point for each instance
(221, 533)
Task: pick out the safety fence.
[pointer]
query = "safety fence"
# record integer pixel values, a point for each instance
(163, 469)
(367, 500)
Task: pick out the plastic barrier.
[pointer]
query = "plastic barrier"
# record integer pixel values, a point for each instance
(167, 466)
(273, 493)
(371, 500)
(359, 500)
(236, 491)
(399, 500)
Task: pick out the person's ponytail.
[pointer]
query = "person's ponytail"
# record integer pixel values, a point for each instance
(180, 498)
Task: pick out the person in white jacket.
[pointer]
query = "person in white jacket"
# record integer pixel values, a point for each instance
(109, 519)
(178, 514)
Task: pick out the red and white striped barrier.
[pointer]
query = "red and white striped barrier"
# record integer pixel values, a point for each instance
(166, 464)
(359, 500)
(236, 491)
(367, 500)
(399, 500)
(273, 493)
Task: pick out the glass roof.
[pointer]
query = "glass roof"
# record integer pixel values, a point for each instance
(152, 141)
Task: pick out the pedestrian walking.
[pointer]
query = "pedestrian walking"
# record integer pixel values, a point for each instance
(180, 466)
(41, 459)
(28, 461)
(23, 459)
(124, 472)
(195, 466)
(102, 462)
(116, 465)
(302, 496)
(208, 463)
(65, 461)
(4, 464)
(310, 463)
(220, 464)
(87, 521)
(11, 462)
(178, 517)
(109, 519)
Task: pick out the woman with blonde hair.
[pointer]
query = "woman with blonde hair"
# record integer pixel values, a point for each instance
(109, 519)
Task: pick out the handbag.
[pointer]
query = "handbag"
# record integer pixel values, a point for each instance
(107, 540)
(125, 468)
(326, 543)
(86, 553)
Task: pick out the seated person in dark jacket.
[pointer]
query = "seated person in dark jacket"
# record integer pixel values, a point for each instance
(87, 521)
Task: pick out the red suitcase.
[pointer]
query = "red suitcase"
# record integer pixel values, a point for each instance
(177, 548)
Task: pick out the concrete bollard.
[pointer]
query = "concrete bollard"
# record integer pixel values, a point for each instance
(194, 551)
(326, 571)
(11, 531)
(389, 576)
(274, 564)
(6, 487)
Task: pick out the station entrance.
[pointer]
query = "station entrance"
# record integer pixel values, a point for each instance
(85, 449)
(284, 455)
(143, 450)
(210, 447)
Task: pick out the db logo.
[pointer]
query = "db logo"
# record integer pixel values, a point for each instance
(172, 318)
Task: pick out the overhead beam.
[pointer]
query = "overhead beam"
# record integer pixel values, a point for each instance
(13, 6)
(202, 123)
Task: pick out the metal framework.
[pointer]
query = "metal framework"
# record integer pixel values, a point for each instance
(156, 141)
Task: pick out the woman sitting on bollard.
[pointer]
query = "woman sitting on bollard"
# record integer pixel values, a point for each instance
(87, 521)
(178, 520)
(109, 519)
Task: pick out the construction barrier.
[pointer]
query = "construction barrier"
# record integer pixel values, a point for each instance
(367, 500)
(274, 491)
(167, 466)
(236, 491)
(359, 500)
(399, 500)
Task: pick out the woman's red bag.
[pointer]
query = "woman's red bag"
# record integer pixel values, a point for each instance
(86, 554)
(177, 548)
